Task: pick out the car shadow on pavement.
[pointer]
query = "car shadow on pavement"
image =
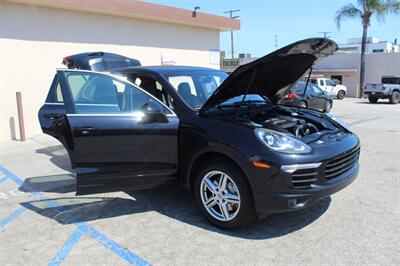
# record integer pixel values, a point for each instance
(63, 183)
(170, 201)
(58, 156)
(179, 204)
(384, 102)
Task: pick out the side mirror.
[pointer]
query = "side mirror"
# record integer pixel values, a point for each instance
(151, 107)
(153, 113)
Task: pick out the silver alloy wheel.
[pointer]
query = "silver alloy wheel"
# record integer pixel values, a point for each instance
(220, 196)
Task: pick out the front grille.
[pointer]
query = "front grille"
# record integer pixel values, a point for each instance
(303, 178)
(341, 164)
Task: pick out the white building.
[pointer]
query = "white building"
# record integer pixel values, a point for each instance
(345, 68)
(373, 45)
(36, 34)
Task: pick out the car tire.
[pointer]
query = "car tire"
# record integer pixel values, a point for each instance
(303, 104)
(328, 106)
(340, 95)
(237, 213)
(394, 98)
(372, 99)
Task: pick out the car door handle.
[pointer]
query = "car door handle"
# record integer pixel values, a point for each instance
(85, 130)
(53, 116)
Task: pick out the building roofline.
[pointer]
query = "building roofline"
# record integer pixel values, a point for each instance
(141, 10)
(344, 70)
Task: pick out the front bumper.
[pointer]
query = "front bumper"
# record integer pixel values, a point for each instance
(285, 193)
(379, 94)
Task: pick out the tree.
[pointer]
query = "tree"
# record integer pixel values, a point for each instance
(364, 11)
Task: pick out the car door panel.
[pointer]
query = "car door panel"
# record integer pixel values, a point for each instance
(52, 115)
(118, 151)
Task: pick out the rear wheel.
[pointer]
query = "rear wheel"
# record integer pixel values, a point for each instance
(394, 98)
(372, 99)
(340, 95)
(223, 195)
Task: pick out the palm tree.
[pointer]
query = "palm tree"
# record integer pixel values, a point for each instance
(364, 11)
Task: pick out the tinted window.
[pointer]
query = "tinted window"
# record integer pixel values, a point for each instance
(59, 97)
(55, 93)
(298, 87)
(321, 83)
(104, 94)
(391, 81)
(195, 86)
(329, 82)
(315, 89)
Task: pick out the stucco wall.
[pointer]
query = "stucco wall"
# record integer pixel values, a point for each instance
(377, 65)
(33, 41)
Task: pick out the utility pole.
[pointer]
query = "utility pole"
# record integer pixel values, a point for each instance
(232, 17)
(276, 41)
(325, 33)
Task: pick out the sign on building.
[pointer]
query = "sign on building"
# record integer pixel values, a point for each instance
(229, 64)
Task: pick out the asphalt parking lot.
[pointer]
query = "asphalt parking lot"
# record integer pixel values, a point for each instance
(42, 222)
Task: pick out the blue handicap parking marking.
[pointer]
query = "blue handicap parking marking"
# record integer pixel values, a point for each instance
(82, 228)
(66, 249)
(12, 216)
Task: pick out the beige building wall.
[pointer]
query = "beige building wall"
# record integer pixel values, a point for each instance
(348, 65)
(33, 41)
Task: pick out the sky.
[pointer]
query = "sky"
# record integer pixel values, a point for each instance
(291, 20)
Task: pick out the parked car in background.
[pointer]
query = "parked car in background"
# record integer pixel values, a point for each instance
(311, 97)
(389, 88)
(98, 61)
(335, 90)
(221, 137)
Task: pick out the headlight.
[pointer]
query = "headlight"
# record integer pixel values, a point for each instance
(339, 121)
(281, 142)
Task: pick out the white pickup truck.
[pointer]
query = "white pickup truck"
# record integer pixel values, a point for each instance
(388, 89)
(333, 89)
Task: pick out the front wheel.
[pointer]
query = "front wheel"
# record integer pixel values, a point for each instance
(223, 195)
(394, 98)
(340, 95)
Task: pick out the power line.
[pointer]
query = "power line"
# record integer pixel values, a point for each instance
(232, 17)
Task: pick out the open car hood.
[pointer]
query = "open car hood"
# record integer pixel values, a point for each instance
(268, 74)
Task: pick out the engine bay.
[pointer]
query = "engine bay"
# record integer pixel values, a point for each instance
(298, 123)
(295, 126)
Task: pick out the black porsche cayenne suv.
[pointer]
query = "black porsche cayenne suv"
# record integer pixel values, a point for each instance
(242, 155)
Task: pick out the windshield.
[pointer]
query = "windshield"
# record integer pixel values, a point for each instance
(195, 86)
(391, 81)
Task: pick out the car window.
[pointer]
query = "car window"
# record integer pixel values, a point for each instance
(59, 97)
(55, 93)
(298, 87)
(313, 81)
(321, 82)
(155, 88)
(330, 82)
(316, 90)
(195, 86)
(105, 94)
(176, 81)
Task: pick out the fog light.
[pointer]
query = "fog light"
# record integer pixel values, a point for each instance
(292, 203)
(298, 202)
